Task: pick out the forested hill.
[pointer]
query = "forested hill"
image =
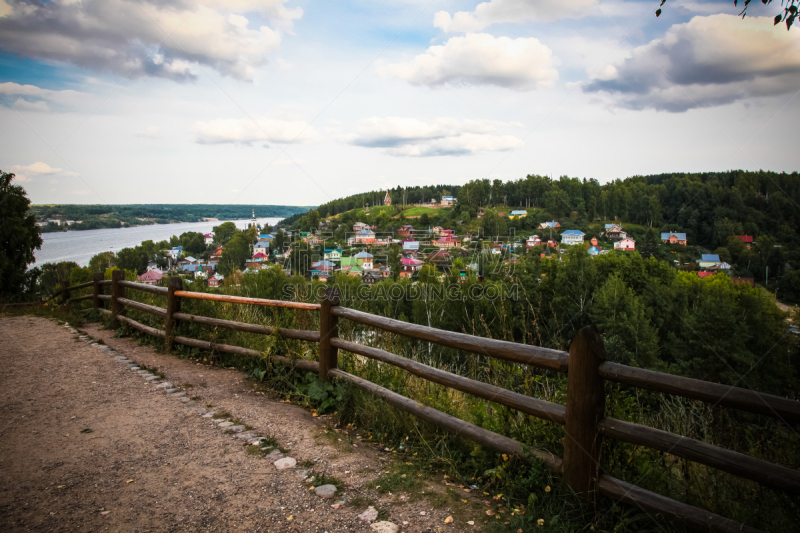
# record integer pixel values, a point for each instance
(709, 206)
(115, 216)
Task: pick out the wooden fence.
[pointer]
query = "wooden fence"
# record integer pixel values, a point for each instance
(583, 417)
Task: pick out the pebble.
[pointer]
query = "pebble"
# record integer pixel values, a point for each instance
(288, 462)
(225, 424)
(179, 395)
(191, 403)
(173, 390)
(247, 435)
(134, 367)
(370, 515)
(237, 429)
(143, 372)
(327, 491)
(121, 358)
(385, 527)
(274, 455)
(164, 385)
(152, 378)
(185, 400)
(208, 414)
(105, 349)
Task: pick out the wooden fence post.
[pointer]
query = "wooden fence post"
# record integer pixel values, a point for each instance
(328, 329)
(117, 291)
(173, 306)
(97, 289)
(65, 292)
(585, 407)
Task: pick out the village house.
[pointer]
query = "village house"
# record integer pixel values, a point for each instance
(674, 238)
(188, 260)
(552, 224)
(151, 277)
(593, 241)
(406, 230)
(175, 253)
(261, 247)
(521, 213)
(625, 245)
(364, 260)
(571, 237)
(258, 260)
(440, 258)
(532, 241)
(708, 261)
(410, 246)
(594, 250)
(447, 242)
(333, 254)
(364, 236)
(614, 231)
(267, 237)
(216, 280)
(208, 238)
(359, 226)
(410, 265)
(746, 239)
(217, 255)
(448, 201)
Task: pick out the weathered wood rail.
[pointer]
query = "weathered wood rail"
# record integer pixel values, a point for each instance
(583, 417)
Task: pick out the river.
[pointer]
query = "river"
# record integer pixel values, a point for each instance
(80, 246)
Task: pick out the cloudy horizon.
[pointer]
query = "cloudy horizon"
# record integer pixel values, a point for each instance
(290, 102)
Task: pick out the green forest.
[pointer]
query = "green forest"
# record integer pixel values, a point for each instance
(117, 216)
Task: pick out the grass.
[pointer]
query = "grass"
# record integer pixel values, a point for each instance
(221, 414)
(419, 211)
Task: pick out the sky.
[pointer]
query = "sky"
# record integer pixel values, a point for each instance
(298, 102)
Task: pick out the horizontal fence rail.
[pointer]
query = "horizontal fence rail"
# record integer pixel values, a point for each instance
(583, 416)
(508, 351)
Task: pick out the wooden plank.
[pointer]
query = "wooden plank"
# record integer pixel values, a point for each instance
(117, 291)
(736, 463)
(144, 287)
(141, 327)
(173, 306)
(243, 300)
(104, 282)
(672, 509)
(299, 334)
(328, 332)
(139, 306)
(551, 412)
(81, 286)
(586, 402)
(484, 437)
(301, 364)
(508, 351)
(103, 296)
(696, 389)
(97, 277)
(105, 311)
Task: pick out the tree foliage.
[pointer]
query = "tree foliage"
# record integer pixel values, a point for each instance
(19, 237)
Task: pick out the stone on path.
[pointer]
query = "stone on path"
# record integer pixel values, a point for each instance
(246, 435)
(151, 378)
(274, 455)
(179, 395)
(134, 368)
(121, 358)
(385, 527)
(326, 491)
(287, 462)
(370, 515)
(164, 385)
(225, 424)
(105, 348)
(208, 414)
(173, 390)
(237, 429)
(191, 403)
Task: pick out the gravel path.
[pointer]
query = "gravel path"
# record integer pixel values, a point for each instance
(87, 444)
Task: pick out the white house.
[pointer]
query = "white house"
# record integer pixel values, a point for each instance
(447, 201)
(261, 247)
(572, 236)
(208, 238)
(626, 245)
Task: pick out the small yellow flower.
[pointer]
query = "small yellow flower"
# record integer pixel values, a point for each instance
(540, 522)
(547, 488)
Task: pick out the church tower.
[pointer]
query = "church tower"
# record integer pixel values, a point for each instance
(388, 199)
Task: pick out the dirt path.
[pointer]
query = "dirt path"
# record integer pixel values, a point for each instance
(154, 463)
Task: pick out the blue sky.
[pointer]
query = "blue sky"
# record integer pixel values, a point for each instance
(299, 102)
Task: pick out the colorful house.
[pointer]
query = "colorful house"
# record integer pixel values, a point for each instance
(571, 237)
(333, 254)
(625, 245)
(594, 250)
(406, 230)
(410, 265)
(261, 247)
(364, 260)
(410, 246)
(674, 238)
(552, 224)
(151, 277)
(532, 241)
(746, 239)
(208, 238)
(447, 242)
(614, 231)
(364, 236)
(216, 280)
(709, 261)
(521, 213)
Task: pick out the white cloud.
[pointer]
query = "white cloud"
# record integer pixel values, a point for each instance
(130, 36)
(150, 132)
(445, 136)
(521, 64)
(26, 172)
(246, 131)
(708, 61)
(512, 11)
(23, 105)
